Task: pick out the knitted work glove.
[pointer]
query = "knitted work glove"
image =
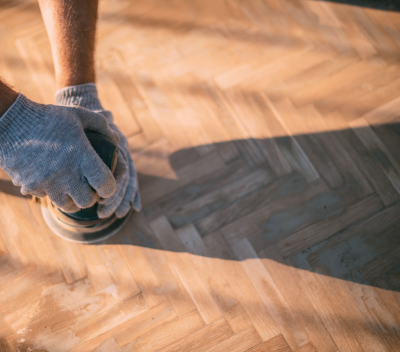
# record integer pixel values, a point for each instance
(44, 149)
(127, 193)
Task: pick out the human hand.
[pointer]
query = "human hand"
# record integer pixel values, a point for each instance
(44, 149)
(127, 193)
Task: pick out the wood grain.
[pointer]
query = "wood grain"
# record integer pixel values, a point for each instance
(266, 137)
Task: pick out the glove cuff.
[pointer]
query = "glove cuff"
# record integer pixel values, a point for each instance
(83, 95)
(19, 121)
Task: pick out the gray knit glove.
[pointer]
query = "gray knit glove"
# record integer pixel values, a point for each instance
(127, 193)
(45, 150)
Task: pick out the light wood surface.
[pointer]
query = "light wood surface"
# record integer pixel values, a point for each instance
(266, 136)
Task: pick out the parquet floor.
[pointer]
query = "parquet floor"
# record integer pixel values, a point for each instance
(267, 140)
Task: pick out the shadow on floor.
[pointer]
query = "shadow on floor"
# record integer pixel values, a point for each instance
(336, 224)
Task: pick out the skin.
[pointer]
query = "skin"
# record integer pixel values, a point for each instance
(71, 26)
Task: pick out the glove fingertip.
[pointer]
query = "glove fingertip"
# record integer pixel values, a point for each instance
(71, 209)
(100, 177)
(137, 204)
(104, 212)
(123, 209)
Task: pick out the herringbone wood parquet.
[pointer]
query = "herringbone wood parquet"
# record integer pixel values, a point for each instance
(266, 136)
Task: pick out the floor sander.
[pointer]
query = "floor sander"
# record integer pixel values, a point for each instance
(85, 226)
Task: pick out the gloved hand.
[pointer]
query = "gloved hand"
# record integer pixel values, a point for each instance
(127, 193)
(45, 150)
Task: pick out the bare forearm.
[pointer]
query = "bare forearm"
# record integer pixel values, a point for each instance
(71, 26)
(7, 97)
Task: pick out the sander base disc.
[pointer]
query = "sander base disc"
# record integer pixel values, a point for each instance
(80, 234)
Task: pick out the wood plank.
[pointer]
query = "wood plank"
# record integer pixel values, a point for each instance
(196, 289)
(143, 272)
(215, 279)
(239, 342)
(389, 135)
(242, 288)
(182, 265)
(341, 151)
(188, 109)
(134, 240)
(211, 206)
(97, 272)
(136, 104)
(333, 84)
(170, 284)
(258, 127)
(262, 281)
(52, 313)
(283, 221)
(69, 259)
(281, 195)
(372, 101)
(293, 294)
(375, 224)
(361, 331)
(130, 330)
(291, 184)
(154, 161)
(212, 125)
(291, 147)
(370, 166)
(112, 318)
(28, 284)
(379, 318)
(237, 318)
(348, 254)
(381, 265)
(375, 146)
(384, 114)
(118, 269)
(247, 73)
(328, 227)
(112, 100)
(30, 53)
(239, 137)
(204, 338)
(200, 187)
(159, 106)
(276, 344)
(306, 124)
(186, 174)
(331, 66)
(359, 88)
(284, 70)
(324, 304)
(168, 333)
(31, 246)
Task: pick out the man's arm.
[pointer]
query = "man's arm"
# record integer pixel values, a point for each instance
(7, 97)
(43, 147)
(71, 26)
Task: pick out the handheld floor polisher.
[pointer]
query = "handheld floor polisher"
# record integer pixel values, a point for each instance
(85, 226)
